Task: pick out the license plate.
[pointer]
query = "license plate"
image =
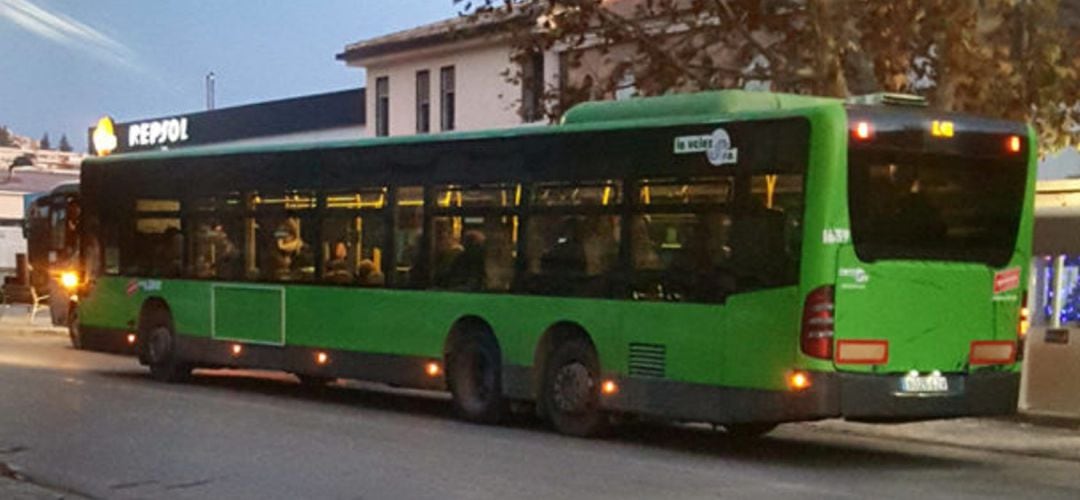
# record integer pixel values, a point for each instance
(925, 383)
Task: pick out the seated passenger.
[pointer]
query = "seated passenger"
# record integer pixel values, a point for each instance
(368, 275)
(468, 270)
(337, 268)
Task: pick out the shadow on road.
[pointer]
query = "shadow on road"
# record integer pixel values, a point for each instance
(788, 446)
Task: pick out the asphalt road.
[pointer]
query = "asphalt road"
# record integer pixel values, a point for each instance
(97, 425)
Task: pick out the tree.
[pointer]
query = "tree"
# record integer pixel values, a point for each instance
(5, 137)
(1012, 59)
(44, 143)
(65, 146)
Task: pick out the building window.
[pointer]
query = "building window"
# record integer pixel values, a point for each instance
(382, 106)
(423, 102)
(447, 93)
(532, 87)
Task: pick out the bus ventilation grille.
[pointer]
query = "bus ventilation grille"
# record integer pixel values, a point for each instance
(648, 360)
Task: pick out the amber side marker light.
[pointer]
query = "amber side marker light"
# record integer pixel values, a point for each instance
(131, 339)
(322, 358)
(798, 381)
(433, 369)
(236, 350)
(609, 387)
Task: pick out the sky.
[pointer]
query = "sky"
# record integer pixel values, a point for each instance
(66, 63)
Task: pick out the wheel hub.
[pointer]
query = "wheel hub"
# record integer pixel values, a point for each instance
(573, 388)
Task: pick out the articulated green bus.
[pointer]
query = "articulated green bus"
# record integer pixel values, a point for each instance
(744, 259)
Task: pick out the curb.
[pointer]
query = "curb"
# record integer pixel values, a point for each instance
(15, 486)
(927, 437)
(1046, 419)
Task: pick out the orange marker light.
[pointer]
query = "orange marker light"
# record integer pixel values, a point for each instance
(433, 369)
(131, 339)
(322, 358)
(237, 350)
(863, 131)
(798, 381)
(1014, 144)
(609, 387)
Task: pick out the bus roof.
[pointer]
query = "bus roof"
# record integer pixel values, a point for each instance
(591, 116)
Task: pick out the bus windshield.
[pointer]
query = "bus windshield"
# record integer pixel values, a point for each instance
(927, 206)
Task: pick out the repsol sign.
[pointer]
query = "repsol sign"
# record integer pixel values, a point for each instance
(158, 133)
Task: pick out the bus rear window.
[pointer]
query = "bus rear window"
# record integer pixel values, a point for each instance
(934, 207)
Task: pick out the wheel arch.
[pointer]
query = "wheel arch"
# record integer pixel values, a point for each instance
(553, 336)
(466, 326)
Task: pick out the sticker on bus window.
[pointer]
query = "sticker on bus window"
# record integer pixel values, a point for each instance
(716, 146)
(1006, 280)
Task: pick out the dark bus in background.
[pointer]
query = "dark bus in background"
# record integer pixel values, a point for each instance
(52, 246)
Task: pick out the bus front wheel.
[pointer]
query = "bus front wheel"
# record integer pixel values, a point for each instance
(474, 376)
(159, 346)
(571, 390)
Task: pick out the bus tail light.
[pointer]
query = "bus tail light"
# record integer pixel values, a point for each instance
(817, 323)
(992, 352)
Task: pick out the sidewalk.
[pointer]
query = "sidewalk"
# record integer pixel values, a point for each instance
(17, 317)
(1022, 434)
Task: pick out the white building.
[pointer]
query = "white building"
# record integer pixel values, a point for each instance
(450, 75)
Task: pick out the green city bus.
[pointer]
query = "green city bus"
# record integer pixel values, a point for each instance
(744, 259)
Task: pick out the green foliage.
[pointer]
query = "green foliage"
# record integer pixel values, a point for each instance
(1014, 59)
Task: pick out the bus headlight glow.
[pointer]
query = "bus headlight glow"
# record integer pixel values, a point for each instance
(69, 280)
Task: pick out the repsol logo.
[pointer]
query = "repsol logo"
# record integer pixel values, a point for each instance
(159, 132)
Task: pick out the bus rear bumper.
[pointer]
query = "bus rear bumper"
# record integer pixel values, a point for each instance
(879, 398)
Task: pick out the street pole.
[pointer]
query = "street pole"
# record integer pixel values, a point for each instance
(210, 80)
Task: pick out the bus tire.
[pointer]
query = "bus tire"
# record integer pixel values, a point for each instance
(571, 389)
(74, 332)
(474, 377)
(159, 349)
(749, 430)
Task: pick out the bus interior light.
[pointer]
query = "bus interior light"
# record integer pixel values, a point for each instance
(864, 131)
(609, 387)
(798, 381)
(433, 369)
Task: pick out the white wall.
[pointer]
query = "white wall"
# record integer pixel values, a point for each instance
(484, 99)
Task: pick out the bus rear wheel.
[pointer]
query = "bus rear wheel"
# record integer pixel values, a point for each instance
(74, 333)
(571, 390)
(474, 377)
(159, 349)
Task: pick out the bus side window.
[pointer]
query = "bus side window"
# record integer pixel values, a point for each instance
(474, 239)
(281, 237)
(408, 266)
(353, 238)
(573, 239)
(767, 232)
(679, 241)
(157, 243)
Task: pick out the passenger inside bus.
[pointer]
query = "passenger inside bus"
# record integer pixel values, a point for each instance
(467, 271)
(337, 269)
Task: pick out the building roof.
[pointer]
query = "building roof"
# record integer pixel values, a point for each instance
(428, 35)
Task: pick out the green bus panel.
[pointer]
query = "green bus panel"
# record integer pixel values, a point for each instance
(249, 313)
